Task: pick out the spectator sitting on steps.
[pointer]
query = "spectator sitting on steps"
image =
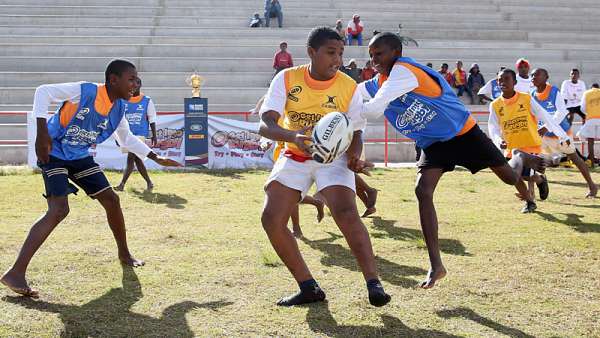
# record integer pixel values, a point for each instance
(459, 78)
(474, 83)
(273, 10)
(355, 28)
(340, 29)
(353, 71)
(255, 21)
(446, 74)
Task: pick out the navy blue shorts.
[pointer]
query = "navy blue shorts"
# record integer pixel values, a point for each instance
(84, 172)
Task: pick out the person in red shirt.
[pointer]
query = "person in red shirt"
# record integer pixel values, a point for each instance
(446, 74)
(368, 72)
(282, 59)
(355, 28)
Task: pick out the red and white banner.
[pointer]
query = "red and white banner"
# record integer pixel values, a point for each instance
(236, 144)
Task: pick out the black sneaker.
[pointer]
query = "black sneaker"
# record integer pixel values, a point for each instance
(529, 207)
(303, 297)
(377, 296)
(543, 188)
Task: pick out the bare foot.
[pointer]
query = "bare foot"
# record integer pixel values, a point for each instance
(369, 211)
(18, 284)
(119, 187)
(320, 210)
(433, 276)
(130, 261)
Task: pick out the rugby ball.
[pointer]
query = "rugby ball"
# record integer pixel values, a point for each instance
(331, 137)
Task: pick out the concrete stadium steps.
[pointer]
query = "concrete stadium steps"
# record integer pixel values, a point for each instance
(272, 42)
(227, 64)
(70, 40)
(13, 131)
(468, 54)
(284, 33)
(266, 51)
(258, 5)
(246, 9)
(149, 79)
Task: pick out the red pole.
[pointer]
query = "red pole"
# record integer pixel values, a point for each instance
(385, 147)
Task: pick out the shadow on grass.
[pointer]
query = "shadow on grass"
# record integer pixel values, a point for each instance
(172, 201)
(589, 206)
(110, 315)
(321, 322)
(463, 312)
(338, 255)
(569, 183)
(449, 246)
(229, 173)
(573, 220)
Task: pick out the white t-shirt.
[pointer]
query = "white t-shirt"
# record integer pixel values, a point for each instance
(524, 85)
(572, 92)
(276, 98)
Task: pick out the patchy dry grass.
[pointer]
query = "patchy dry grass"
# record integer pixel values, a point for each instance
(211, 270)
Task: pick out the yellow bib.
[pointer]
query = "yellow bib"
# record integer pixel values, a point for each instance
(308, 100)
(518, 124)
(592, 103)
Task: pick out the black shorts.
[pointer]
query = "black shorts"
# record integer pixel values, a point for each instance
(576, 110)
(84, 172)
(472, 150)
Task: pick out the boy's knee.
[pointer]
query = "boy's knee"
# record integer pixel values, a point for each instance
(109, 198)
(270, 220)
(423, 192)
(59, 211)
(347, 216)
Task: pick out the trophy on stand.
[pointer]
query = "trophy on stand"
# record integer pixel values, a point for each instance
(196, 124)
(195, 81)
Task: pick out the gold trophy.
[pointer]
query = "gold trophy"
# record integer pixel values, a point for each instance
(195, 81)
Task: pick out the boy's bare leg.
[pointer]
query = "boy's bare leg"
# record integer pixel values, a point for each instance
(427, 180)
(127, 171)
(144, 172)
(114, 214)
(585, 172)
(342, 203)
(296, 221)
(591, 155)
(320, 205)
(279, 203)
(14, 278)
(367, 195)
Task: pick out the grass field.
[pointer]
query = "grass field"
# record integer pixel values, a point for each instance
(211, 271)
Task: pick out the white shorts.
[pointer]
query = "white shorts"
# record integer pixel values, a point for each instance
(141, 138)
(301, 175)
(551, 145)
(590, 129)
